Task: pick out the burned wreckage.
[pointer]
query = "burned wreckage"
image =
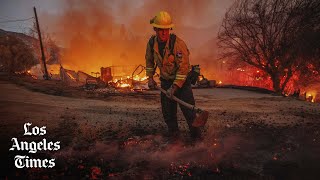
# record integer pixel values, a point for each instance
(132, 77)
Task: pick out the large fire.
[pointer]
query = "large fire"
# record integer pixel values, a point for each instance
(129, 82)
(89, 43)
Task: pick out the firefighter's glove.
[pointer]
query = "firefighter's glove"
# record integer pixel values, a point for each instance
(172, 91)
(151, 83)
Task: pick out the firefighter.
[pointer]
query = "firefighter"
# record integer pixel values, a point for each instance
(170, 54)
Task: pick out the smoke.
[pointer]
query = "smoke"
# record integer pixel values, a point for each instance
(155, 153)
(98, 34)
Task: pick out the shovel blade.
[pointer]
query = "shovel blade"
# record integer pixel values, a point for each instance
(201, 119)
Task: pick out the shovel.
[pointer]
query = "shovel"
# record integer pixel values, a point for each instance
(201, 115)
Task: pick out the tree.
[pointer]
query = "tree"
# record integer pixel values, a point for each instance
(51, 50)
(270, 35)
(309, 71)
(15, 55)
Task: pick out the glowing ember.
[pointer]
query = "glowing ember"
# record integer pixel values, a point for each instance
(138, 78)
(123, 85)
(81, 166)
(216, 170)
(311, 96)
(240, 69)
(95, 173)
(180, 169)
(275, 157)
(144, 78)
(112, 174)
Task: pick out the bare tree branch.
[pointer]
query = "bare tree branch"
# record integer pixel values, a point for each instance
(267, 34)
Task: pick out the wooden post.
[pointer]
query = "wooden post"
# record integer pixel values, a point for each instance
(45, 76)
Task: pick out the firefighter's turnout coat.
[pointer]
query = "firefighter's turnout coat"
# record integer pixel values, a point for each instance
(175, 63)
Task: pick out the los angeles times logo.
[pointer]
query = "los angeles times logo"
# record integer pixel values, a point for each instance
(23, 161)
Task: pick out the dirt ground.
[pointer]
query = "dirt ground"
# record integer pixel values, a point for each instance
(249, 135)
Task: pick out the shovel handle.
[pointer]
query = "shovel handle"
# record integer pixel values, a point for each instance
(189, 106)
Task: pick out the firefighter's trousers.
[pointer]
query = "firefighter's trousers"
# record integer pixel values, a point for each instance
(169, 107)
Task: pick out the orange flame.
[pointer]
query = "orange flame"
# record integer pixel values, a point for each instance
(124, 85)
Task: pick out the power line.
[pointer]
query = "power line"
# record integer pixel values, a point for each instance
(16, 20)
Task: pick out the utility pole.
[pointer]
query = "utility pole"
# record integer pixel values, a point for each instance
(45, 76)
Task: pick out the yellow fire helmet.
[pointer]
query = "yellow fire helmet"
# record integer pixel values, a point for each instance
(162, 20)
